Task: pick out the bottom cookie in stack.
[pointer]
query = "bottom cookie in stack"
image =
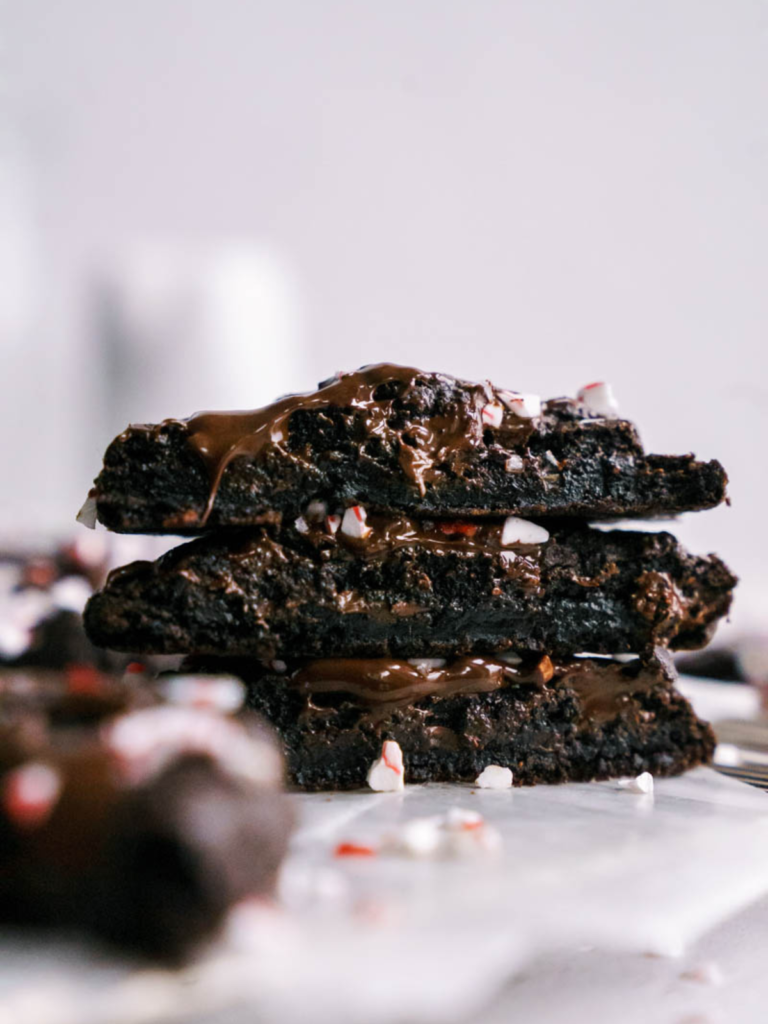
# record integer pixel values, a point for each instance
(548, 720)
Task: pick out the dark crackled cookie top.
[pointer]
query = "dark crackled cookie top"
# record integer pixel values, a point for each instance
(403, 440)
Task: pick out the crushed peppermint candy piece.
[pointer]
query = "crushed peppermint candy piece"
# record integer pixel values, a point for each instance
(459, 817)
(458, 833)
(30, 793)
(302, 525)
(599, 398)
(87, 514)
(521, 531)
(466, 834)
(452, 526)
(643, 783)
(514, 463)
(494, 776)
(218, 692)
(419, 837)
(332, 524)
(146, 741)
(427, 665)
(316, 511)
(353, 524)
(525, 406)
(279, 666)
(493, 414)
(387, 773)
(354, 850)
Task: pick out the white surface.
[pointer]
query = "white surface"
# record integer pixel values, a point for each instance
(390, 939)
(581, 867)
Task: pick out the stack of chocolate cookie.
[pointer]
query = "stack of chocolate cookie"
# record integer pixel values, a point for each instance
(405, 556)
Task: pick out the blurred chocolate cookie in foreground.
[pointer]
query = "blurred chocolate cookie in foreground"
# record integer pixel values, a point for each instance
(139, 811)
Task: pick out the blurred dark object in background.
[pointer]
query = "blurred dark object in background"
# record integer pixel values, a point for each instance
(42, 595)
(140, 811)
(43, 589)
(743, 661)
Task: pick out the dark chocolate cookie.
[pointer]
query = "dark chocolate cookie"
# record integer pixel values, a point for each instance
(400, 440)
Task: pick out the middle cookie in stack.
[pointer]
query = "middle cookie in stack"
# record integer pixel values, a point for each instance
(458, 638)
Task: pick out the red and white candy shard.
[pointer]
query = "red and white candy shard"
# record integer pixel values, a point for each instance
(30, 793)
(387, 775)
(525, 406)
(521, 531)
(598, 398)
(514, 463)
(459, 833)
(145, 742)
(493, 414)
(332, 524)
(643, 783)
(353, 524)
(216, 693)
(466, 833)
(87, 514)
(494, 777)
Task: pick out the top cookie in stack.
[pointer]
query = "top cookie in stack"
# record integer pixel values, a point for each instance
(396, 439)
(371, 565)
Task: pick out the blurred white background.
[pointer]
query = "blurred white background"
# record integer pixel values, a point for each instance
(539, 192)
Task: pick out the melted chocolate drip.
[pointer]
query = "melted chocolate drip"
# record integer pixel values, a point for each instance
(604, 686)
(424, 443)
